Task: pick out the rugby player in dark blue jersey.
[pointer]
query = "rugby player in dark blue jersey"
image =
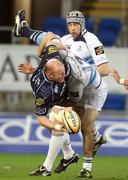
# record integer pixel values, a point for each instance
(48, 83)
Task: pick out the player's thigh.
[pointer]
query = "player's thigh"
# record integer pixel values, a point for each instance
(90, 114)
(87, 116)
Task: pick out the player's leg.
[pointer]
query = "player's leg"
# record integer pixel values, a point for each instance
(21, 29)
(58, 139)
(55, 145)
(69, 155)
(99, 139)
(56, 142)
(93, 100)
(88, 117)
(98, 102)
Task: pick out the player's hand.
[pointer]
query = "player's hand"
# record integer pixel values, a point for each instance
(126, 87)
(115, 74)
(25, 68)
(60, 127)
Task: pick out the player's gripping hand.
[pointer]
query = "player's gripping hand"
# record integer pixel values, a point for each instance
(61, 128)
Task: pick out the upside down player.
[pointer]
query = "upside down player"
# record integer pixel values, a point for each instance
(83, 78)
(48, 85)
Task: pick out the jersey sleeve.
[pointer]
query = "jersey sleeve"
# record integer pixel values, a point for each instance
(41, 107)
(65, 38)
(96, 49)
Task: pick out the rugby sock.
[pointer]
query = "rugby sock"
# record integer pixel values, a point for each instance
(96, 136)
(26, 32)
(55, 145)
(87, 164)
(35, 35)
(67, 148)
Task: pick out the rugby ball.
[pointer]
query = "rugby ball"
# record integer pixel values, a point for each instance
(71, 121)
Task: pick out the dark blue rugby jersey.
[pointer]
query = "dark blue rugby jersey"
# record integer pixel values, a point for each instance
(47, 93)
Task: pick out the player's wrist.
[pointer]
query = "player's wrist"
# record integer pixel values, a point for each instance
(121, 81)
(32, 69)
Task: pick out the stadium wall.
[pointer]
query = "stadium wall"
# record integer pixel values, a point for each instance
(22, 134)
(12, 55)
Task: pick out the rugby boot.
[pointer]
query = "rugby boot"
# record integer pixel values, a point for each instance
(64, 163)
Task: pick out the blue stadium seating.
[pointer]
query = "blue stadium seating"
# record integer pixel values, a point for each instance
(108, 30)
(115, 102)
(89, 24)
(55, 24)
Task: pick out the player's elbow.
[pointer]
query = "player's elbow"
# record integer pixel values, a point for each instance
(104, 73)
(103, 69)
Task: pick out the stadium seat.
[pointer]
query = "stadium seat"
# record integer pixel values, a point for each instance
(115, 102)
(108, 30)
(89, 24)
(55, 24)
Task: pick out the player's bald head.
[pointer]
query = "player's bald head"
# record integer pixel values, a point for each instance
(53, 64)
(55, 70)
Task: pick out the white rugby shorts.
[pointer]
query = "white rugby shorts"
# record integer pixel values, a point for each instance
(94, 98)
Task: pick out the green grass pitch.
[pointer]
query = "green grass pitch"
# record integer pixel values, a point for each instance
(17, 167)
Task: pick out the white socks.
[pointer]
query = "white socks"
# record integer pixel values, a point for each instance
(87, 164)
(96, 136)
(67, 148)
(55, 145)
(58, 142)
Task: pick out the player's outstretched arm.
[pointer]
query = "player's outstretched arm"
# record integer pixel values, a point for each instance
(115, 74)
(118, 78)
(52, 125)
(26, 68)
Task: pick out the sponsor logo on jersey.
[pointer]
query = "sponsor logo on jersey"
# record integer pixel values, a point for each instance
(99, 50)
(39, 101)
(79, 48)
(52, 49)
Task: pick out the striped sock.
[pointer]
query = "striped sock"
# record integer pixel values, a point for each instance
(87, 164)
(96, 136)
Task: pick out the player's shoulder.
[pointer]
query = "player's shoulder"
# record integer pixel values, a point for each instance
(66, 37)
(91, 38)
(89, 35)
